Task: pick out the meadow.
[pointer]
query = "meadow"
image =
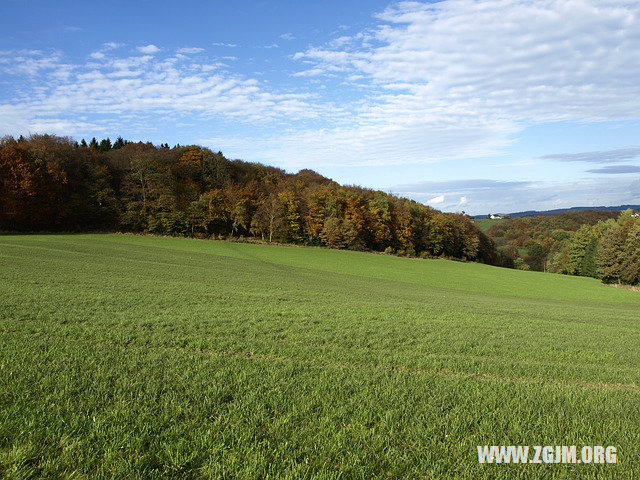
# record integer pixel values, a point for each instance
(484, 224)
(124, 356)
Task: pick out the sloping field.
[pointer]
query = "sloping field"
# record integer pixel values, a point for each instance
(485, 224)
(134, 357)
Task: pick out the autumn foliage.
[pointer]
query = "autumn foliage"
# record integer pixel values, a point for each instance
(602, 244)
(50, 183)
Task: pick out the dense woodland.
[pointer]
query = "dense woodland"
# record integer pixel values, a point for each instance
(50, 183)
(593, 243)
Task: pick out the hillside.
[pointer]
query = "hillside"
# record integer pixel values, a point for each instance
(601, 244)
(128, 356)
(54, 184)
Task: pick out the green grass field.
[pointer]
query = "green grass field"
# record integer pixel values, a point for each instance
(135, 357)
(484, 224)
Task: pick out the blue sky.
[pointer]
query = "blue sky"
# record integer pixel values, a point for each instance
(488, 106)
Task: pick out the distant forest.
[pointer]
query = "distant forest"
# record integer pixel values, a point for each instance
(50, 183)
(603, 244)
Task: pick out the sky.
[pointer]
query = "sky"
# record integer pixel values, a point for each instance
(477, 106)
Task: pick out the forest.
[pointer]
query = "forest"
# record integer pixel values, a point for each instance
(602, 244)
(55, 184)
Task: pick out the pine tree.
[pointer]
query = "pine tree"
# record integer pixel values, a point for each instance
(105, 145)
(119, 143)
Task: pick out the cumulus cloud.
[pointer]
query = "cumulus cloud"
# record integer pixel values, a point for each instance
(605, 156)
(148, 49)
(436, 200)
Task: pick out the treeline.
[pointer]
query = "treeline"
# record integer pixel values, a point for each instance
(593, 243)
(50, 183)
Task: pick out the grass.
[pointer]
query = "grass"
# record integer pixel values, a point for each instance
(484, 224)
(136, 357)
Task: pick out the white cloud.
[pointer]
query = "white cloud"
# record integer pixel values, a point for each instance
(312, 72)
(221, 44)
(111, 45)
(463, 201)
(341, 41)
(436, 200)
(435, 81)
(287, 36)
(148, 49)
(485, 196)
(190, 50)
(14, 119)
(31, 62)
(459, 78)
(119, 90)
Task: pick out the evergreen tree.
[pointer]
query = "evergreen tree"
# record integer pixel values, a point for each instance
(105, 145)
(119, 143)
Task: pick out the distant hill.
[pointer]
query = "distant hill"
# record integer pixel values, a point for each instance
(50, 183)
(535, 213)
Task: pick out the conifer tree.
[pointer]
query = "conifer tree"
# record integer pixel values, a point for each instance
(105, 145)
(119, 143)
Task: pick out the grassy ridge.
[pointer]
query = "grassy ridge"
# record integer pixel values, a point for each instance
(147, 357)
